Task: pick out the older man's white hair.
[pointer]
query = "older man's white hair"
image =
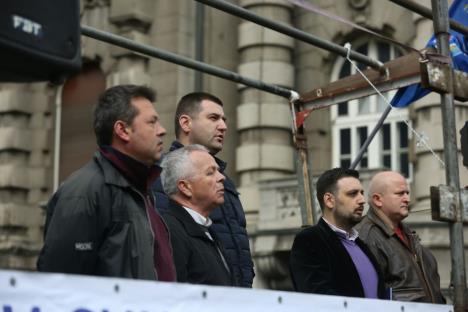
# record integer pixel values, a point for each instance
(177, 166)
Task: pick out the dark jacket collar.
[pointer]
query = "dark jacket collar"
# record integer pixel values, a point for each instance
(377, 220)
(138, 174)
(192, 227)
(222, 164)
(346, 261)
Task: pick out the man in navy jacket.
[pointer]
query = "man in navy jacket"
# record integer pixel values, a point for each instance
(200, 119)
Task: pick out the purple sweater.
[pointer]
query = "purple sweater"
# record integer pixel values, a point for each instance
(365, 268)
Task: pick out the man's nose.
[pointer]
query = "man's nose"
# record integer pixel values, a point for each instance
(221, 177)
(361, 199)
(161, 131)
(406, 198)
(222, 125)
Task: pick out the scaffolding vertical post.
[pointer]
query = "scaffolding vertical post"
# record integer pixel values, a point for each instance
(304, 175)
(458, 274)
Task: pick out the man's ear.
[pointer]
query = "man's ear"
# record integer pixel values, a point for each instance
(376, 199)
(185, 122)
(122, 130)
(329, 200)
(185, 188)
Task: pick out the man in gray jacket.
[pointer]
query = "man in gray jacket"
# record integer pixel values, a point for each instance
(102, 221)
(409, 269)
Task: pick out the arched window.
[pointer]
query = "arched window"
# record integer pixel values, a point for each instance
(352, 121)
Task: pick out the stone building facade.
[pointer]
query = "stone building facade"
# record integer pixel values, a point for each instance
(46, 130)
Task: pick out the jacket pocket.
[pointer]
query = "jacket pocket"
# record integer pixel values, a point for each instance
(408, 294)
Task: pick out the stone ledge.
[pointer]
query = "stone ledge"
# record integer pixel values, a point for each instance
(20, 215)
(251, 115)
(124, 11)
(265, 156)
(23, 177)
(273, 72)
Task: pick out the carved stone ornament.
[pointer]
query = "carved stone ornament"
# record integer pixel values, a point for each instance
(358, 4)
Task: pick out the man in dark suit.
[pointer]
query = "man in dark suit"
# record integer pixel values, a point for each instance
(329, 258)
(194, 184)
(200, 119)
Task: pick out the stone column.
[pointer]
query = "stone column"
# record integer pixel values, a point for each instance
(25, 171)
(263, 119)
(131, 19)
(172, 30)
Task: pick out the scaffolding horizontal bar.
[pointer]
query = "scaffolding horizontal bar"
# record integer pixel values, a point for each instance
(402, 72)
(183, 61)
(426, 12)
(292, 32)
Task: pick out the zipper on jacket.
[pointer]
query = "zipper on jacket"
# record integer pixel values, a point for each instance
(150, 226)
(421, 272)
(421, 267)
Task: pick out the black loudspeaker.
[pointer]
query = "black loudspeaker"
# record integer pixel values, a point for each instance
(464, 143)
(39, 39)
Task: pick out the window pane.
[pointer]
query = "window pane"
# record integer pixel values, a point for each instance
(404, 164)
(345, 70)
(343, 109)
(345, 163)
(381, 104)
(386, 137)
(403, 133)
(345, 141)
(364, 105)
(363, 50)
(362, 133)
(363, 163)
(384, 51)
(387, 161)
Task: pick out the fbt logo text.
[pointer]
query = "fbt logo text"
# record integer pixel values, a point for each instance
(27, 26)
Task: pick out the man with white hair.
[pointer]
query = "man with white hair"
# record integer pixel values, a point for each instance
(194, 184)
(409, 269)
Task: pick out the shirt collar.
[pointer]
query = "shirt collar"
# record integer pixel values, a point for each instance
(198, 218)
(352, 235)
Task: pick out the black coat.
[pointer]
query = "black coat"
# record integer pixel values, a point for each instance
(228, 224)
(320, 264)
(196, 257)
(97, 225)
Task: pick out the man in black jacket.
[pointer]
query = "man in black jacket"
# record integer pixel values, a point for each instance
(194, 184)
(200, 119)
(102, 221)
(329, 258)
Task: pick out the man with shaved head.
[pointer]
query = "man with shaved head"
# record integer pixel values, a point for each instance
(409, 269)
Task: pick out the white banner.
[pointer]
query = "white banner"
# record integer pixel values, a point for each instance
(40, 292)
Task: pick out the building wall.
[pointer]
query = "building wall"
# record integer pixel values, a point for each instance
(258, 148)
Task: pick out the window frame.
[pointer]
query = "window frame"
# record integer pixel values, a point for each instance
(356, 119)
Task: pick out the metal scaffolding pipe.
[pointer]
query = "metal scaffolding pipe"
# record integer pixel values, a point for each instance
(426, 12)
(369, 139)
(182, 60)
(292, 32)
(452, 175)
